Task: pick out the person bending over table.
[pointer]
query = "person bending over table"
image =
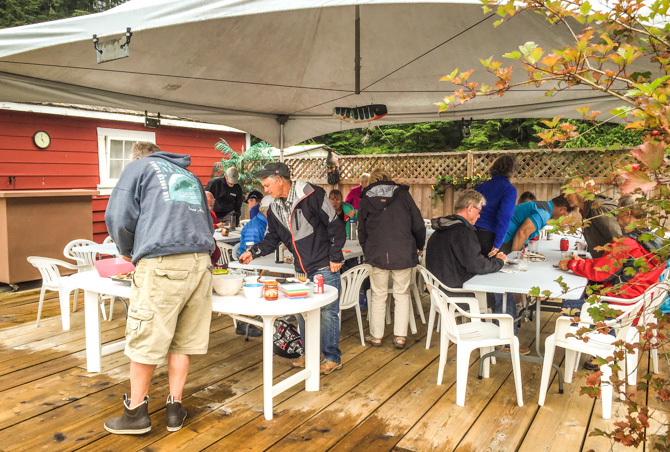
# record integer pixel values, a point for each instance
(392, 234)
(528, 219)
(304, 220)
(453, 252)
(615, 270)
(601, 229)
(157, 214)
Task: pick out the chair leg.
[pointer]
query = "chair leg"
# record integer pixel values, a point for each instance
(39, 306)
(101, 303)
(74, 301)
(654, 360)
(64, 300)
(631, 363)
(359, 317)
(111, 308)
(549, 349)
(462, 367)
(414, 292)
(412, 320)
(516, 369)
(606, 391)
(444, 349)
(431, 324)
(570, 363)
(486, 367)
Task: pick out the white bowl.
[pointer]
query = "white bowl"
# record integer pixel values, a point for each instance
(253, 291)
(227, 285)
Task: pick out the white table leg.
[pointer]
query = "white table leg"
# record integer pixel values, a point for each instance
(64, 299)
(268, 332)
(312, 348)
(92, 326)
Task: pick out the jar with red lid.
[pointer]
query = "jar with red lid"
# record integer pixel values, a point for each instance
(271, 291)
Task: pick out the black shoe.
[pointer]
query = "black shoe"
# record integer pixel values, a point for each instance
(132, 422)
(590, 365)
(174, 415)
(245, 329)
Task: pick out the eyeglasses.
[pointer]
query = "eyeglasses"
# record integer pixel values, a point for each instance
(479, 209)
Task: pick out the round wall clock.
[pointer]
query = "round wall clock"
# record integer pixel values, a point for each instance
(42, 139)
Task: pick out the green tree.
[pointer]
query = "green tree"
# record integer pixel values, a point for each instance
(23, 12)
(247, 163)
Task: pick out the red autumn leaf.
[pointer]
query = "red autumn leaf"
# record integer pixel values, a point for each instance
(651, 154)
(635, 180)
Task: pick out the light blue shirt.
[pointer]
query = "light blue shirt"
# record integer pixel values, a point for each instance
(539, 213)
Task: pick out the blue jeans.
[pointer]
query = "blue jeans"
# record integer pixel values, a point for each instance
(511, 308)
(330, 318)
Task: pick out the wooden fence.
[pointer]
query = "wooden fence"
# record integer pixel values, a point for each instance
(541, 171)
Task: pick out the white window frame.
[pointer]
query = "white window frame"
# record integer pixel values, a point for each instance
(104, 139)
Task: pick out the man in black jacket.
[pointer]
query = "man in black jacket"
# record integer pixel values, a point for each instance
(392, 234)
(302, 218)
(453, 253)
(228, 195)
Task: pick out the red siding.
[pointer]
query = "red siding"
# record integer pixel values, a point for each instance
(71, 161)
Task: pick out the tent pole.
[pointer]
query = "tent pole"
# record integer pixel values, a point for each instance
(281, 119)
(357, 52)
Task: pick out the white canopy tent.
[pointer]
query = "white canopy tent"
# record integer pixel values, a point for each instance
(276, 69)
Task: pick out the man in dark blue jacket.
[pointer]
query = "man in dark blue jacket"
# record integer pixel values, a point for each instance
(302, 218)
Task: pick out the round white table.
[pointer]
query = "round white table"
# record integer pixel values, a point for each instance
(238, 306)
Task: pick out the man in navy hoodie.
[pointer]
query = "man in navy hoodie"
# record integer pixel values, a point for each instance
(158, 217)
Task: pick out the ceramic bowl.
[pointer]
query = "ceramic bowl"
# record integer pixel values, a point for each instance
(227, 285)
(253, 291)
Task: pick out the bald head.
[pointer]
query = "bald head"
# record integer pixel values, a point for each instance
(210, 199)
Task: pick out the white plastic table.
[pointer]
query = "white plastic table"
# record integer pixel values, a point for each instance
(539, 274)
(351, 250)
(232, 237)
(237, 306)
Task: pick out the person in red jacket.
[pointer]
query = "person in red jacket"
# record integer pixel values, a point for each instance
(615, 271)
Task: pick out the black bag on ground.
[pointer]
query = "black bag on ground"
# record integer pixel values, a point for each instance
(286, 341)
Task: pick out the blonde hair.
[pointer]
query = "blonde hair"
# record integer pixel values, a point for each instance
(379, 174)
(365, 178)
(142, 149)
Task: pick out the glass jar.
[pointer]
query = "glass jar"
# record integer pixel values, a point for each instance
(271, 291)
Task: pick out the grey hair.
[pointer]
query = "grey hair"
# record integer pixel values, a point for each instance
(365, 178)
(469, 197)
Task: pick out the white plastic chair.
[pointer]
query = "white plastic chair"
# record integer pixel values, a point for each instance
(108, 239)
(236, 248)
(51, 280)
(351, 283)
(475, 334)
(656, 297)
(431, 279)
(226, 253)
(598, 344)
(244, 222)
(426, 222)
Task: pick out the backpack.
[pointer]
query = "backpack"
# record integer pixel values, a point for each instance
(286, 341)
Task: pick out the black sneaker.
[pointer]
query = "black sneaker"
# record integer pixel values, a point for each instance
(253, 331)
(174, 415)
(132, 422)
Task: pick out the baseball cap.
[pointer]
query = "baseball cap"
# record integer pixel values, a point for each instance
(232, 175)
(274, 169)
(254, 194)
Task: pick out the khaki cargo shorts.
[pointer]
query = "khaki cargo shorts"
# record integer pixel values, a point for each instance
(170, 307)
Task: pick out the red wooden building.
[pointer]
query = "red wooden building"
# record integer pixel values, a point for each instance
(87, 148)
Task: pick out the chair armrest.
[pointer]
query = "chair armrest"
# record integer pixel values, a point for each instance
(505, 321)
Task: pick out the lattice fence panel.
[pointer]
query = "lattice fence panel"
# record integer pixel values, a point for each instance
(543, 165)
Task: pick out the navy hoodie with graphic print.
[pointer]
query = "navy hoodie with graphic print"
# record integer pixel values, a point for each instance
(159, 208)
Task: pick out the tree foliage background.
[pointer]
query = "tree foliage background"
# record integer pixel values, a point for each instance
(445, 136)
(23, 12)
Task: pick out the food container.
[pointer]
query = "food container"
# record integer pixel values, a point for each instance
(565, 244)
(271, 292)
(227, 285)
(254, 290)
(224, 232)
(113, 266)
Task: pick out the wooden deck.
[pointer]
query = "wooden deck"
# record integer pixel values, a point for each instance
(383, 398)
